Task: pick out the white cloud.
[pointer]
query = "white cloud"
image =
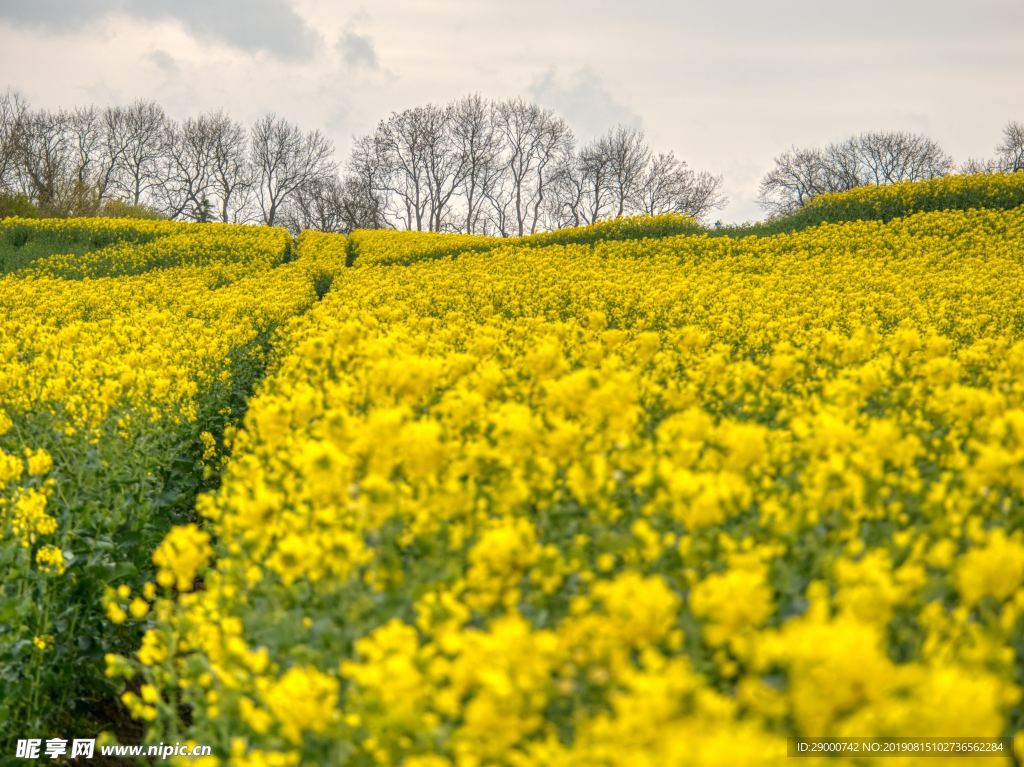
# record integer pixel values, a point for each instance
(726, 85)
(583, 99)
(270, 26)
(357, 51)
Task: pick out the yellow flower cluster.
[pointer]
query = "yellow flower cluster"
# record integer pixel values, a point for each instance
(394, 247)
(78, 348)
(90, 232)
(115, 367)
(90, 247)
(188, 245)
(962, 191)
(180, 555)
(645, 502)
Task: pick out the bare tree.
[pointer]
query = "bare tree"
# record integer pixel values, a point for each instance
(362, 206)
(567, 204)
(556, 142)
(602, 175)
(56, 158)
(873, 158)
(476, 139)
(399, 150)
(628, 155)
(199, 169)
(974, 165)
(93, 167)
(419, 163)
(842, 167)
(1010, 152)
(316, 205)
(1009, 157)
(535, 140)
(45, 159)
(136, 142)
(893, 156)
(231, 173)
(445, 164)
(67, 165)
(366, 184)
(187, 168)
(13, 112)
(701, 195)
(668, 186)
(284, 160)
(798, 176)
(658, 189)
(333, 205)
(585, 185)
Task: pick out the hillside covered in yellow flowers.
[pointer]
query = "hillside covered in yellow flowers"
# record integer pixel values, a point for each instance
(634, 494)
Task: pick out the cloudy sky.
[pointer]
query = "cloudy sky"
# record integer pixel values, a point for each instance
(726, 84)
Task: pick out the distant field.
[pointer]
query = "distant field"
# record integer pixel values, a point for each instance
(636, 493)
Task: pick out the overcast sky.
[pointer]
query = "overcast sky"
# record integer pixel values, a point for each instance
(726, 84)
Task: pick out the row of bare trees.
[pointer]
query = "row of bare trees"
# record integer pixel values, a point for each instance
(474, 165)
(512, 168)
(874, 159)
(210, 167)
(870, 159)
(1009, 157)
